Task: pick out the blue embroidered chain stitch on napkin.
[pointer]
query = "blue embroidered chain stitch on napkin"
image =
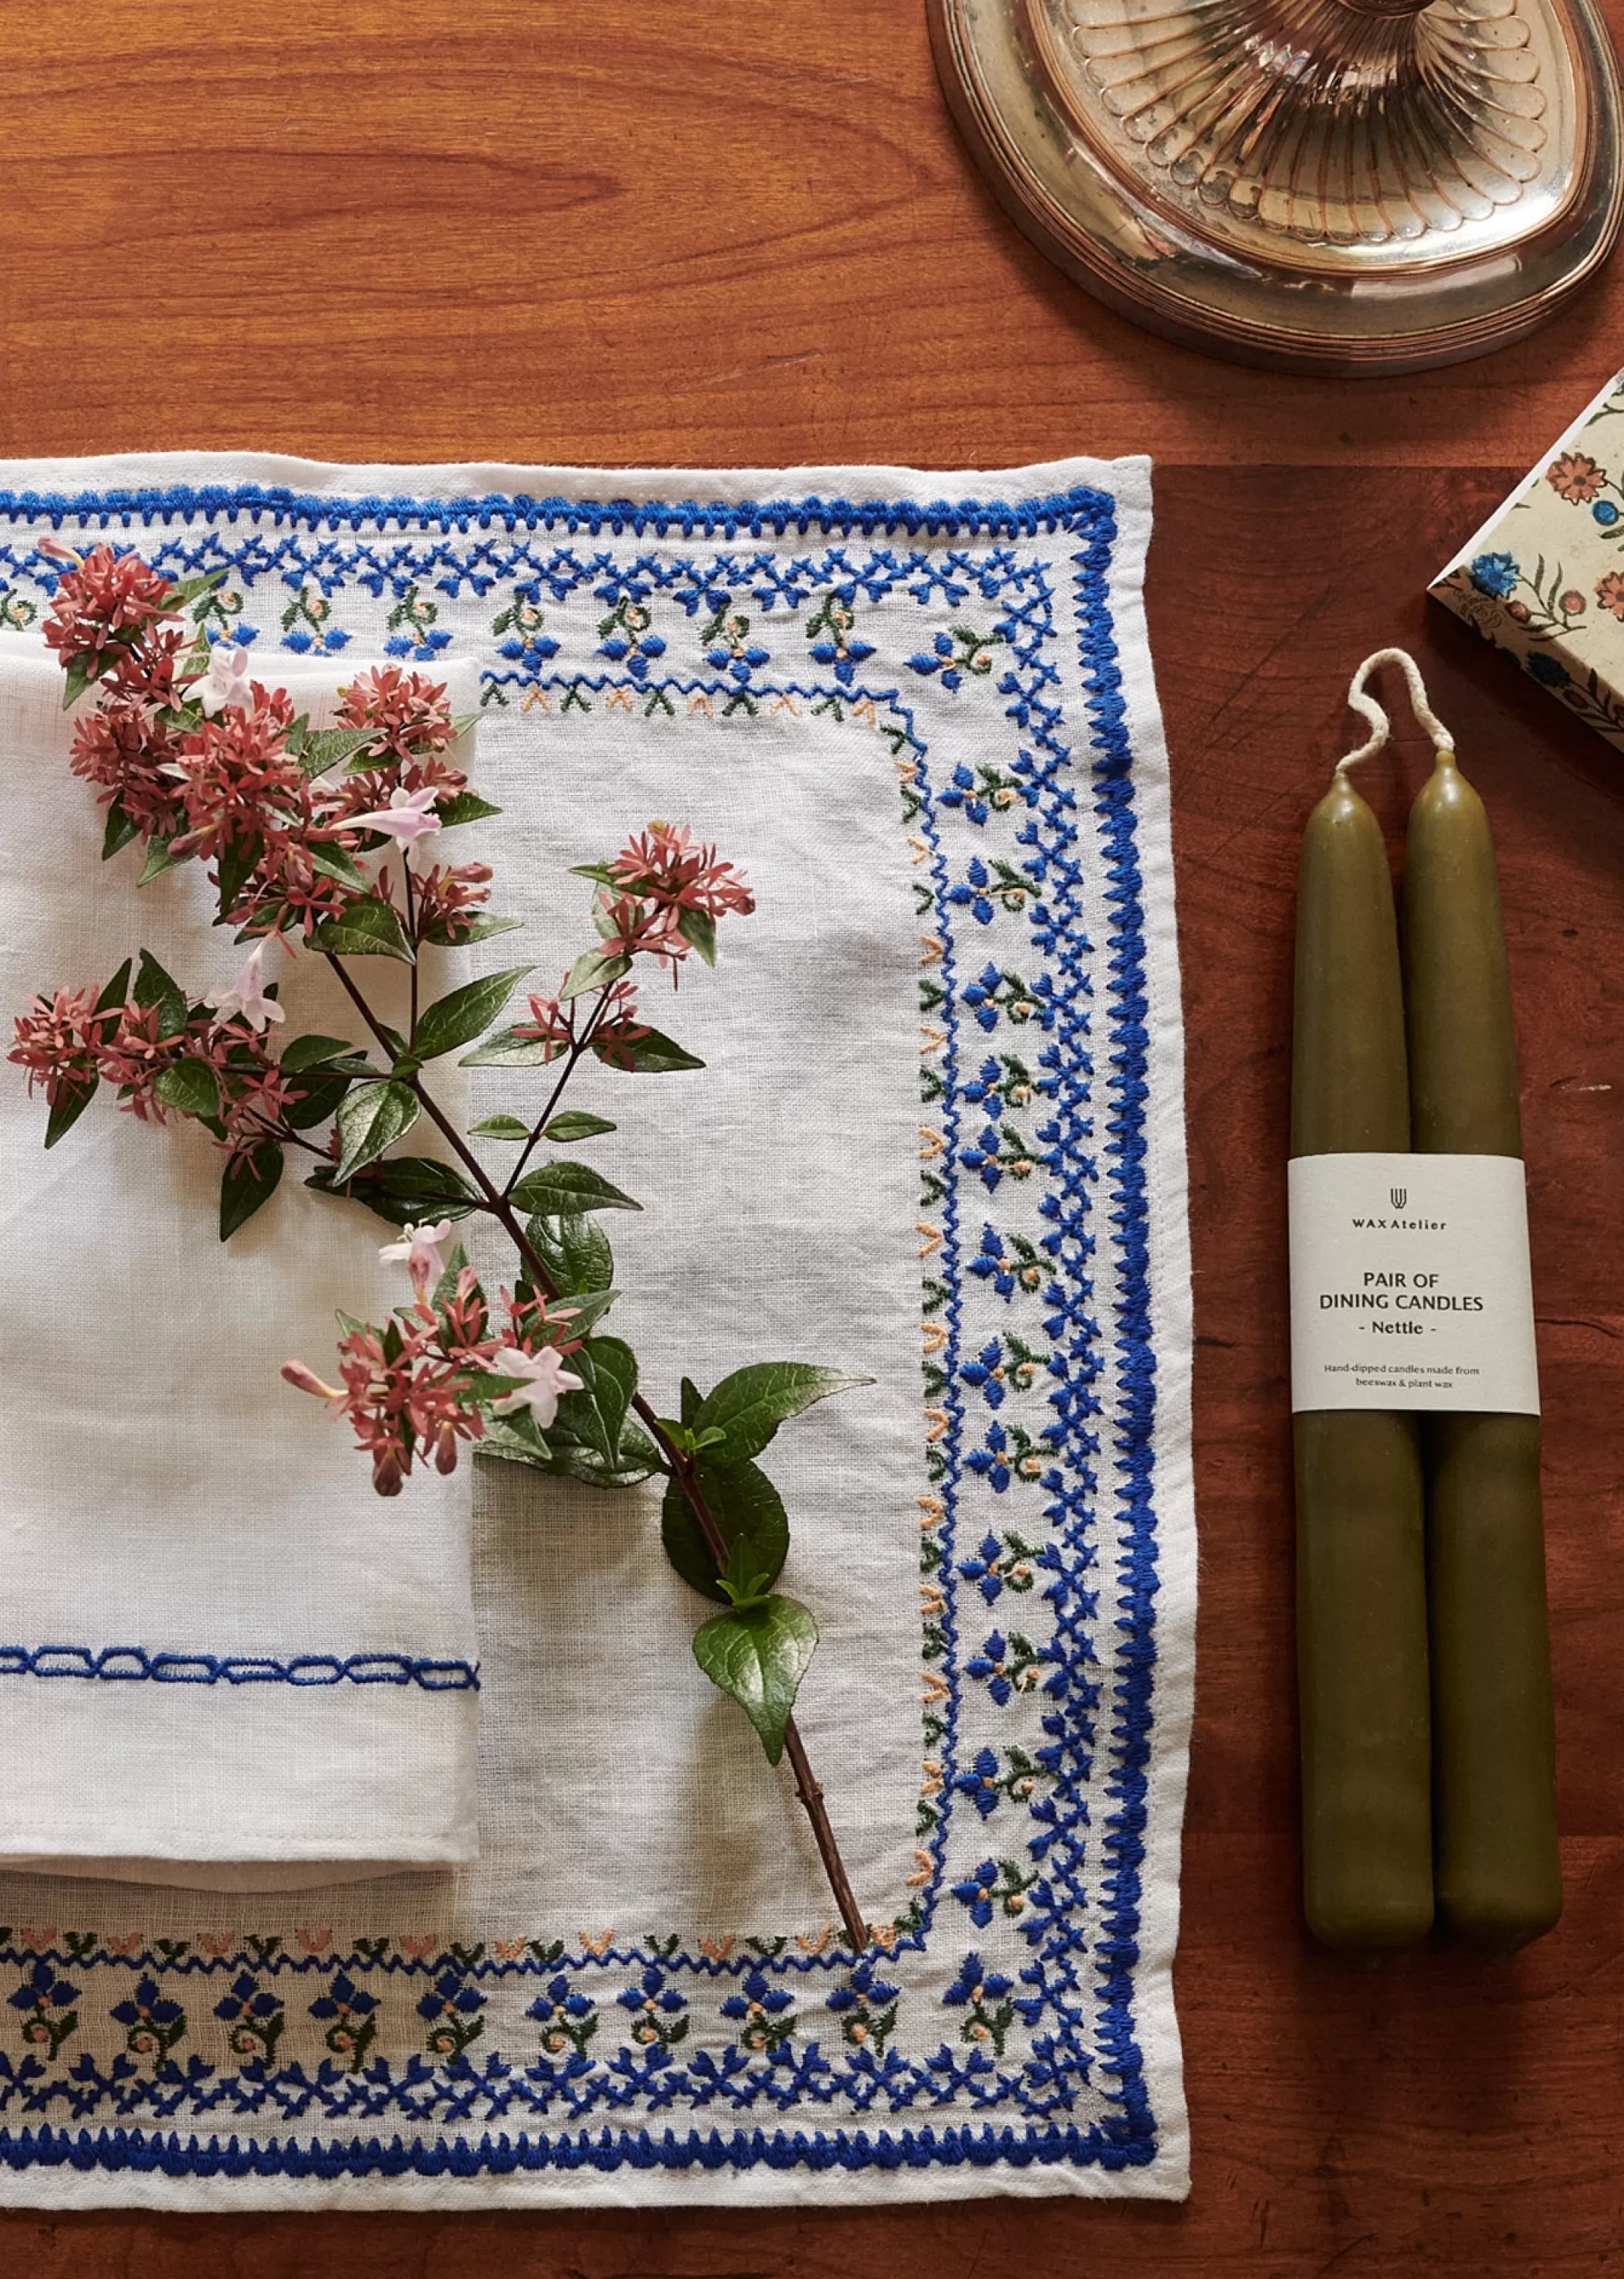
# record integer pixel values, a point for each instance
(942, 1109)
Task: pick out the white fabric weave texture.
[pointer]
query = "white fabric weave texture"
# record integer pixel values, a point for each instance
(940, 1124)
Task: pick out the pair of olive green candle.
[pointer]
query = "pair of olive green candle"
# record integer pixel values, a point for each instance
(1423, 1660)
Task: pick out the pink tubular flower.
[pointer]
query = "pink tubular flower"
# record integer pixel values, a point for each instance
(450, 903)
(618, 1028)
(666, 866)
(551, 1023)
(133, 1054)
(545, 1380)
(56, 1041)
(631, 927)
(246, 999)
(419, 1250)
(409, 817)
(409, 715)
(128, 754)
(106, 601)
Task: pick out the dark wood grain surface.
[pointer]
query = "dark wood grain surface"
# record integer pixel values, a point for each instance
(571, 229)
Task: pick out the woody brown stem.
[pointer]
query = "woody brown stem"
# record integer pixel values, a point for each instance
(679, 1463)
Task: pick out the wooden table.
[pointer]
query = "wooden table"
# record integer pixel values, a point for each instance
(569, 229)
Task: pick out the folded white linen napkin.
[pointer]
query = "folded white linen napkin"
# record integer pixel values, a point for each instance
(223, 1660)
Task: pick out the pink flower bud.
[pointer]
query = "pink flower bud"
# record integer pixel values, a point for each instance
(301, 1375)
(387, 1474)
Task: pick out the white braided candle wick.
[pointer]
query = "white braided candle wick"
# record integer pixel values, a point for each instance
(1360, 701)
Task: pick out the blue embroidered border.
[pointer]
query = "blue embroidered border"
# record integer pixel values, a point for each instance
(124, 1663)
(1127, 2138)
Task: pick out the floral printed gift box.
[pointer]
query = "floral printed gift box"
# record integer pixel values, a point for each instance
(1543, 578)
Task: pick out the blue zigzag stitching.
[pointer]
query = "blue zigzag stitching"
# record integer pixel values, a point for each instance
(1055, 1922)
(125, 1662)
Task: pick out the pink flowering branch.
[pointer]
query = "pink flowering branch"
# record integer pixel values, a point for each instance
(297, 828)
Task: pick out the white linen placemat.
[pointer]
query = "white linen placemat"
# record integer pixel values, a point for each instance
(940, 1125)
(223, 1661)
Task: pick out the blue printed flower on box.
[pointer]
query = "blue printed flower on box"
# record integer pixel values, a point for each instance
(1543, 578)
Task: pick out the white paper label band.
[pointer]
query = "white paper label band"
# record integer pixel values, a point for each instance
(1410, 1283)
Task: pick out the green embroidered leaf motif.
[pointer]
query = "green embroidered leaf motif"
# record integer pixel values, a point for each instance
(594, 969)
(749, 1513)
(464, 807)
(650, 1055)
(404, 1190)
(246, 1186)
(369, 928)
(577, 1124)
(508, 1049)
(559, 1190)
(458, 1018)
(748, 1407)
(371, 1119)
(593, 1416)
(315, 1051)
(500, 1127)
(190, 1086)
(118, 832)
(576, 1253)
(154, 987)
(68, 1108)
(759, 1656)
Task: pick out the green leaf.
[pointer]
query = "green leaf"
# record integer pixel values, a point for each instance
(78, 681)
(324, 748)
(650, 1055)
(600, 871)
(466, 932)
(117, 991)
(698, 928)
(371, 1119)
(318, 1098)
(759, 1656)
(190, 1086)
(316, 1051)
(246, 1186)
(464, 807)
(750, 1518)
(154, 987)
(594, 969)
(333, 863)
(577, 1124)
(158, 860)
(560, 1190)
(118, 832)
(458, 1018)
(692, 1399)
(68, 1108)
(596, 1414)
(507, 1049)
(186, 590)
(639, 1459)
(234, 869)
(500, 1127)
(369, 928)
(749, 1406)
(576, 1253)
(404, 1189)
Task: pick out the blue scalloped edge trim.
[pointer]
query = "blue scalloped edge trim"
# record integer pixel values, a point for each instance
(123, 1664)
(134, 2151)
(690, 518)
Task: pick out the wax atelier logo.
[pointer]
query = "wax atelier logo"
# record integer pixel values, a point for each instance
(1398, 1224)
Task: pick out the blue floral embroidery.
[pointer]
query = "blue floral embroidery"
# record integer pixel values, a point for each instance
(1494, 574)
